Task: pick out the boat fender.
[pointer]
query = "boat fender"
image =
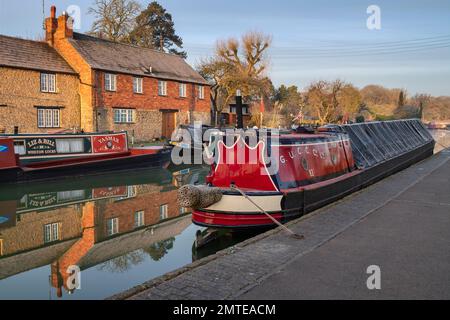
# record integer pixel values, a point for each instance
(197, 197)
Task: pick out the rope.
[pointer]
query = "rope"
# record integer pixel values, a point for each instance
(292, 233)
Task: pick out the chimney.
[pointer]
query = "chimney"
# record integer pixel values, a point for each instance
(57, 29)
(65, 26)
(51, 24)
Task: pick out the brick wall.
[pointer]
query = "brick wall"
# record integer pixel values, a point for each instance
(28, 234)
(20, 93)
(148, 121)
(148, 199)
(60, 42)
(96, 103)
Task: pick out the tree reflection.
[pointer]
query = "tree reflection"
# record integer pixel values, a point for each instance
(159, 249)
(123, 263)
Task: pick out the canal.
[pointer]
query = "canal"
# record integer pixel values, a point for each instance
(120, 229)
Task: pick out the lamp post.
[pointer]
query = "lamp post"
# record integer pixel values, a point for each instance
(239, 117)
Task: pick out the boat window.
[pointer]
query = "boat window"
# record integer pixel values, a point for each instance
(19, 147)
(70, 145)
(73, 195)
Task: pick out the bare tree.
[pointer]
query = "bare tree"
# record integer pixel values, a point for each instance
(237, 65)
(332, 101)
(115, 19)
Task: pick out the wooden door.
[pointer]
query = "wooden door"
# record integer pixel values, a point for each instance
(168, 124)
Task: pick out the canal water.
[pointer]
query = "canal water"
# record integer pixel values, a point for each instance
(120, 230)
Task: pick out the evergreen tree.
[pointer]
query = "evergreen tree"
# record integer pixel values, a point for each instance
(155, 29)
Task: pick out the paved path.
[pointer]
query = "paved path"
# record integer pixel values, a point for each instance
(401, 224)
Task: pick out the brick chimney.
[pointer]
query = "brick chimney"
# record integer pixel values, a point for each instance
(57, 29)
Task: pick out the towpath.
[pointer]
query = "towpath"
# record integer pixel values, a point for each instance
(401, 225)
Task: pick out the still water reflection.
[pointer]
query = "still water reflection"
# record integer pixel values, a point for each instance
(120, 229)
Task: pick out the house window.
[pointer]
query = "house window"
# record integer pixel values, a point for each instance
(162, 88)
(139, 219)
(163, 212)
(112, 226)
(48, 118)
(110, 82)
(183, 210)
(182, 90)
(201, 92)
(137, 85)
(48, 82)
(124, 115)
(51, 232)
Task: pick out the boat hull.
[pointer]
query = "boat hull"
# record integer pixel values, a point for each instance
(83, 166)
(285, 206)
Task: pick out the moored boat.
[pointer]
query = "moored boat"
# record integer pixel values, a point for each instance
(312, 170)
(46, 156)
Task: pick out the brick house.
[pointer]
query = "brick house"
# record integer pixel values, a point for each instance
(38, 89)
(125, 87)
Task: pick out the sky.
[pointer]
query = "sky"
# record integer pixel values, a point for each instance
(312, 40)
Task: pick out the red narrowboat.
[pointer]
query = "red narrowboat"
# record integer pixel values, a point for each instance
(311, 170)
(27, 157)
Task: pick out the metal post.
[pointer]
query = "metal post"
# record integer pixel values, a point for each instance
(239, 117)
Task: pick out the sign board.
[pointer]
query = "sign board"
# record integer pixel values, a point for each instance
(110, 143)
(40, 146)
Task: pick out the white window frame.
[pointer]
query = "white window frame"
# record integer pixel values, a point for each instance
(138, 85)
(139, 218)
(112, 226)
(110, 82)
(51, 232)
(182, 90)
(162, 88)
(201, 92)
(48, 82)
(48, 117)
(163, 211)
(124, 115)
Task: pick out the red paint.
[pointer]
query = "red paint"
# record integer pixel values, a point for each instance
(8, 158)
(109, 192)
(110, 143)
(233, 220)
(298, 163)
(235, 167)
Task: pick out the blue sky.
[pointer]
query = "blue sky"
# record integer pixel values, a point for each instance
(312, 40)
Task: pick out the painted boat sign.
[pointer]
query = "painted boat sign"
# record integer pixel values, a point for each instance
(3, 148)
(109, 143)
(41, 146)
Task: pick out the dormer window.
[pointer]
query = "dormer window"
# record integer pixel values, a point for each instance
(48, 82)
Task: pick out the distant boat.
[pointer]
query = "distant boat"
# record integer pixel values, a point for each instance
(437, 126)
(314, 169)
(44, 156)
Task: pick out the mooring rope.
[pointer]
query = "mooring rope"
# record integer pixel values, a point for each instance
(292, 233)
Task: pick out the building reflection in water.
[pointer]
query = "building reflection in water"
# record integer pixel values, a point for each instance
(105, 221)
